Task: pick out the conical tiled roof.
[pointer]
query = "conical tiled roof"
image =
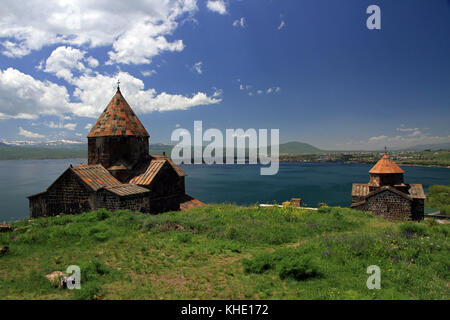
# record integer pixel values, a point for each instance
(118, 119)
(386, 165)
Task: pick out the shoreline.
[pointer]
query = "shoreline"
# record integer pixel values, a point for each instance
(281, 161)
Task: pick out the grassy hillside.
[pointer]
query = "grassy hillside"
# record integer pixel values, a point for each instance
(439, 198)
(226, 252)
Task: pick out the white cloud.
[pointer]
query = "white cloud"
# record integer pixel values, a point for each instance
(142, 42)
(63, 60)
(239, 22)
(95, 92)
(92, 62)
(218, 6)
(403, 141)
(197, 67)
(260, 92)
(282, 23)
(407, 129)
(68, 126)
(378, 138)
(24, 116)
(29, 25)
(29, 134)
(148, 73)
(217, 93)
(88, 126)
(22, 96)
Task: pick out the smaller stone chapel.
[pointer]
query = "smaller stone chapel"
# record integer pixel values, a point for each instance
(387, 195)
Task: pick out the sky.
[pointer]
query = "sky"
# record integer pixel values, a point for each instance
(310, 68)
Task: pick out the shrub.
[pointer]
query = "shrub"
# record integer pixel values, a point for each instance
(184, 237)
(300, 268)
(259, 264)
(414, 227)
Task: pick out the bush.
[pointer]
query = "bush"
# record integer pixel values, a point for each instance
(259, 264)
(299, 269)
(414, 227)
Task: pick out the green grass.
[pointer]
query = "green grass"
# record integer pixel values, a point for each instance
(226, 252)
(439, 198)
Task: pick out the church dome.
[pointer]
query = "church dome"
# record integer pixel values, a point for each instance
(386, 166)
(118, 119)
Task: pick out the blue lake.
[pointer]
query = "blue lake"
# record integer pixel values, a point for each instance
(241, 184)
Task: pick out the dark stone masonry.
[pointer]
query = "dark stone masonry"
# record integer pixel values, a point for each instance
(120, 174)
(387, 195)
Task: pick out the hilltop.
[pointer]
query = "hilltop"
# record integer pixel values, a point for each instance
(226, 252)
(69, 149)
(298, 148)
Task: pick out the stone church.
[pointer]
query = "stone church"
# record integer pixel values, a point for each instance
(387, 195)
(120, 173)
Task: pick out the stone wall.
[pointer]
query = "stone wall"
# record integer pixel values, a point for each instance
(389, 205)
(67, 195)
(112, 202)
(418, 209)
(167, 183)
(108, 150)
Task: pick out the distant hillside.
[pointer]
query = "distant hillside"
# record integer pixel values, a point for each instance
(437, 146)
(295, 147)
(38, 153)
(61, 150)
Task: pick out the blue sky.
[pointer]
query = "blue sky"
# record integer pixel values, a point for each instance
(310, 68)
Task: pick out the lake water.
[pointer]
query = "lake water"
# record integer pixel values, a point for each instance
(241, 184)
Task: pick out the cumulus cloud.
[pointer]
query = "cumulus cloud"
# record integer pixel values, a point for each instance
(93, 24)
(218, 6)
(88, 126)
(239, 23)
(63, 60)
(29, 134)
(22, 96)
(92, 62)
(95, 92)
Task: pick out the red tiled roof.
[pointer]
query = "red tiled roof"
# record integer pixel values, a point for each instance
(386, 165)
(126, 190)
(189, 203)
(389, 189)
(146, 178)
(95, 176)
(416, 191)
(180, 171)
(360, 189)
(118, 119)
(152, 170)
